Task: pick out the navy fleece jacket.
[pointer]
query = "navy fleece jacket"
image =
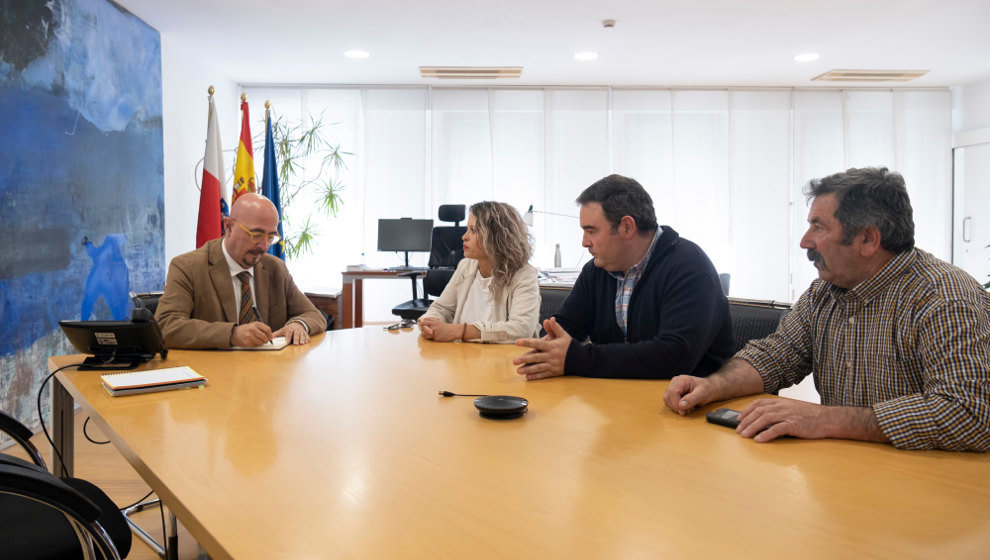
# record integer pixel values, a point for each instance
(678, 318)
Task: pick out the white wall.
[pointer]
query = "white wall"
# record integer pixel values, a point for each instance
(971, 184)
(186, 77)
(971, 106)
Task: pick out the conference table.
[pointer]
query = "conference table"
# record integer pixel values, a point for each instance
(344, 448)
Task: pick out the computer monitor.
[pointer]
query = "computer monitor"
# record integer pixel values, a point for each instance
(113, 343)
(405, 235)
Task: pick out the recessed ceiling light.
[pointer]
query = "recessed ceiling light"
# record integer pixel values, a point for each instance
(357, 53)
(807, 57)
(585, 55)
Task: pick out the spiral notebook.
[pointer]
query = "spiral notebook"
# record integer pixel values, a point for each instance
(151, 380)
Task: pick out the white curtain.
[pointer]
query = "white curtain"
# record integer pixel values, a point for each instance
(759, 205)
(725, 167)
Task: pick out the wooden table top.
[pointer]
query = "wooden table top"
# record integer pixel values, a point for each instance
(344, 449)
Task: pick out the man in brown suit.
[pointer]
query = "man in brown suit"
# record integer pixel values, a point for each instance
(230, 292)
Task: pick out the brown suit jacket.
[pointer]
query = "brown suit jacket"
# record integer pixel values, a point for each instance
(199, 310)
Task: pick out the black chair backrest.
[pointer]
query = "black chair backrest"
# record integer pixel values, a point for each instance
(146, 300)
(435, 280)
(446, 249)
(452, 213)
(38, 511)
(754, 320)
(551, 298)
(22, 435)
(29, 479)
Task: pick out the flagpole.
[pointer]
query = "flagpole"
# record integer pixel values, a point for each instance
(212, 202)
(209, 110)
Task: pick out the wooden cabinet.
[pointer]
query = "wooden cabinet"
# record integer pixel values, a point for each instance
(327, 303)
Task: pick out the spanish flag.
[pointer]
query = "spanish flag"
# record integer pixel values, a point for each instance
(244, 165)
(212, 196)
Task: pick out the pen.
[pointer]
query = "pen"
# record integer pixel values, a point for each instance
(257, 317)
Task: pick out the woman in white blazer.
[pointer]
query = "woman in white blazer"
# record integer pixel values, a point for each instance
(494, 295)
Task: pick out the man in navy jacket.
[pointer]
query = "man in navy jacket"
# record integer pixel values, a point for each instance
(649, 306)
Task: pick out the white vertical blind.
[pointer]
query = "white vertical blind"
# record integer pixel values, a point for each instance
(341, 112)
(924, 156)
(462, 149)
(869, 128)
(819, 150)
(518, 146)
(725, 168)
(393, 156)
(700, 211)
(578, 138)
(759, 168)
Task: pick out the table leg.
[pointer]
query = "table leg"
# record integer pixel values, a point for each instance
(63, 429)
(346, 308)
(173, 537)
(358, 303)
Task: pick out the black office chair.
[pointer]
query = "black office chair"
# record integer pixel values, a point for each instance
(754, 319)
(146, 300)
(43, 516)
(551, 298)
(446, 250)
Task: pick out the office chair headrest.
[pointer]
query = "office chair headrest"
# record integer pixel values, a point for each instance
(452, 213)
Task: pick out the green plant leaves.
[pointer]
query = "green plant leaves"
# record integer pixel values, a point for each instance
(297, 143)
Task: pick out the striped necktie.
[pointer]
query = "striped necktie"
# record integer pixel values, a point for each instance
(247, 314)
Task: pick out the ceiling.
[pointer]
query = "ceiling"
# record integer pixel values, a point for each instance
(654, 43)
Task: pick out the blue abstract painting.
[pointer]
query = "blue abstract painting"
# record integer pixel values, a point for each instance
(81, 184)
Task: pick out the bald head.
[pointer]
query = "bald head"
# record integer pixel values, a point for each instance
(253, 218)
(253, 206)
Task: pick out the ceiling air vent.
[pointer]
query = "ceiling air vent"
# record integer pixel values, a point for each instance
(470, 72)
(869, 75)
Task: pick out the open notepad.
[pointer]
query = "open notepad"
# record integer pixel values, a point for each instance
(276, 343)
(151, 380)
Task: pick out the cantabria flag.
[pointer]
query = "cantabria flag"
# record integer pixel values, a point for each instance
(214, 193)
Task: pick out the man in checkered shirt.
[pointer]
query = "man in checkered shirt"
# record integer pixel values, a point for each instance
(897, 340)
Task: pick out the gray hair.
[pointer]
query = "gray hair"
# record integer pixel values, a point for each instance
(869, 196)
(622, 196)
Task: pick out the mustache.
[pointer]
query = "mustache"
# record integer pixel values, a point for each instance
(817, 258)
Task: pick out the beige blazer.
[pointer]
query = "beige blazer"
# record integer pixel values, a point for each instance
(517, 309)
(199, 310)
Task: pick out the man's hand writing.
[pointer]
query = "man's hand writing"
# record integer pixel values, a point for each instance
(250, 335)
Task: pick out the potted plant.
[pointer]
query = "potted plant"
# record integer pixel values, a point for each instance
(298, 144)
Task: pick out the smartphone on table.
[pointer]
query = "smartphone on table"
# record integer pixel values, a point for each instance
(724, 417)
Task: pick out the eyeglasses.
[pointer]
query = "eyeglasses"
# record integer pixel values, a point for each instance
(256, 236)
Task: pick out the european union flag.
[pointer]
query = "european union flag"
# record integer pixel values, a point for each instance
(269, 186)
